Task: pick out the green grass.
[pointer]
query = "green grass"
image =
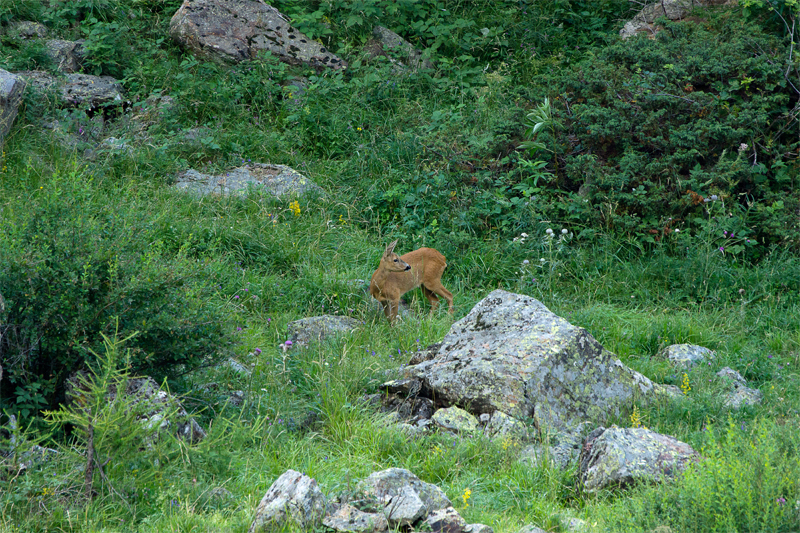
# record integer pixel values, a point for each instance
(427, 159)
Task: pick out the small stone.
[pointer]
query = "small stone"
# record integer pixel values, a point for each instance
(455, 419)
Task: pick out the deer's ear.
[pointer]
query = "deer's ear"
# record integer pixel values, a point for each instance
(390, 248)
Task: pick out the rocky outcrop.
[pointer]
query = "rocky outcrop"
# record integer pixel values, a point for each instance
(277, 180)
(511, 354)
(403, 498)
(11, 88)
(685, 356)
(617, 457)
(237, 30)
(644, 21)
(294, 498)
(317, 328)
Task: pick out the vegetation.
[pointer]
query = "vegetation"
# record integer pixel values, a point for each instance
(665, 169)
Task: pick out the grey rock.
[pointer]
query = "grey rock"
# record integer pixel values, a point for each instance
(478, 528)
(619, 457)
(237, 30)
(511, 354)
(21, 454)
(732, 376)
(502, 426)
(11, 89)
(293, 498)
(455, 419)
(67, 56)
(411, 409)
(404, 498)
(559, 456)
(424, 355)
(26, 29)
(86, 91)
(531, 529)
(686, 355)
(277, 180)
(742, 396)
(389, 44)
(445, 521)
(318, 328)
(351, 520)
(237, 367)
(644, 21)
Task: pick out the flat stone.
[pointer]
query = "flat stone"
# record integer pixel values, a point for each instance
(445, 521)
(318, 328)
(277, 180)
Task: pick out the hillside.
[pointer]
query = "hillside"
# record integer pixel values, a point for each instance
(182, 182)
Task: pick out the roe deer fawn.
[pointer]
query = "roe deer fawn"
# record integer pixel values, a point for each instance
(398, 274)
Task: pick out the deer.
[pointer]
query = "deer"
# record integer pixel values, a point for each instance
(398, 274)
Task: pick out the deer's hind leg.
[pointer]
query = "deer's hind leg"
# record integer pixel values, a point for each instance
(431, 296)
(437, 288)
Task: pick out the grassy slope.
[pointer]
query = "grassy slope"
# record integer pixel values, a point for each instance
(306, 264)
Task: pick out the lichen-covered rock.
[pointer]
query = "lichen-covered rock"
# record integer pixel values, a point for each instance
(644, 21)
(66, 55)
(294, 498)
(531, 529)
(411, 409)
(478, 528)
(317, 328)
(511, 354)
(445, 521)
(389, 44)
(403, 497)
(455, 419)
(738, 394)
(501, 425)
(732, 376)
(237, 30)
(11, 88)
(26, 29)
(153, 406)
(686, 355)
(277, 180)
(742, 396)
(617, 457)
(348, 519)
(93, 92)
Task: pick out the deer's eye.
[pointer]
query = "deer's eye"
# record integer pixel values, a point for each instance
(395, 260)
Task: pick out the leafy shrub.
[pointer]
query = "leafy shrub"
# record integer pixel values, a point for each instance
(74, 261)
(671, 121)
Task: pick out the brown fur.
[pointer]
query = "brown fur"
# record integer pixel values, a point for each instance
(398, 274)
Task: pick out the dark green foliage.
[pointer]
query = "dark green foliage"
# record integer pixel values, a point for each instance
(74, 262)
(700, 110)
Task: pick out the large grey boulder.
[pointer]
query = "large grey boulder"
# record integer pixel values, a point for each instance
(511, 354)
(317, 328)
(403, 497)
(237, 30)
(644, 21)
(277, 180)
(618, 457)
(294, 498)
(11, 88)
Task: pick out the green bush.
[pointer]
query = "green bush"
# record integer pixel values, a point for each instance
(76, 259)
(672, 121)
